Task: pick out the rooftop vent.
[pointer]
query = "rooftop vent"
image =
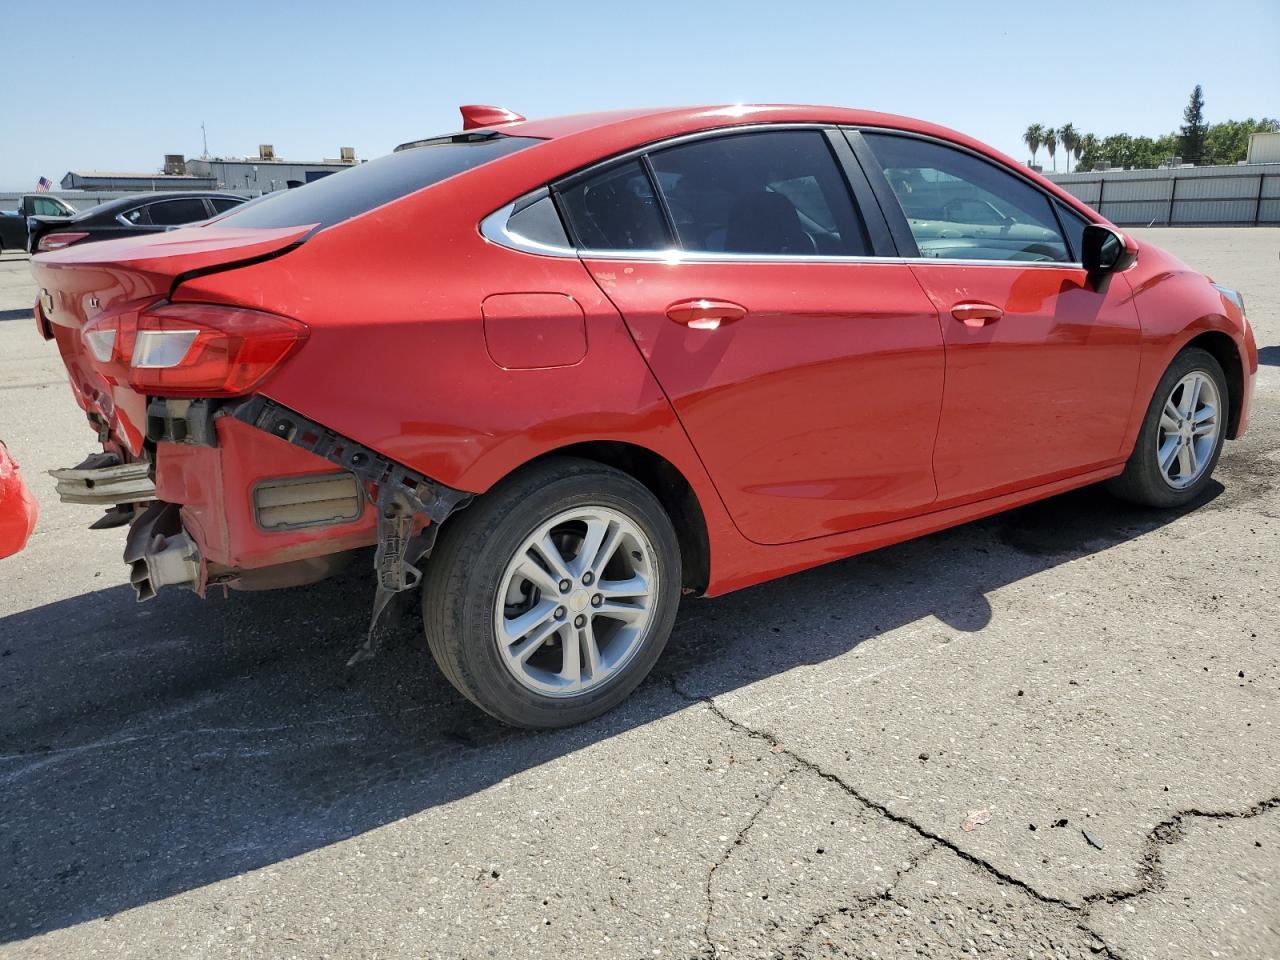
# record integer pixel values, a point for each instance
(175, 164)
(266, 151)
(348, 154)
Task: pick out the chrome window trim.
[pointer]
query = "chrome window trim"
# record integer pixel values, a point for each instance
(494, 229)
(675, 257)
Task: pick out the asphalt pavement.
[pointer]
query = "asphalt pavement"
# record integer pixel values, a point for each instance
(1053, 733)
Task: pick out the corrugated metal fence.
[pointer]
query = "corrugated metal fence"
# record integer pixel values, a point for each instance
(1184, 196)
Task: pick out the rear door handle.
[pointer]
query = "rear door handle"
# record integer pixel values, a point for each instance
(702, 313)
(975, 313)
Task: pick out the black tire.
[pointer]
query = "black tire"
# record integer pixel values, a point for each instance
(466, 569)
(1142, 481)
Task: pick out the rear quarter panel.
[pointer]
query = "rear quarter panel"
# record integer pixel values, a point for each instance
(397, 357)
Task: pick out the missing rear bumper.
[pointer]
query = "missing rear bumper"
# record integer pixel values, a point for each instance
(410, 506)
(160, 553)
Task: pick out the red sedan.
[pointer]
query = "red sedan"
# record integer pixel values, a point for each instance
(17, 507)
(562, 371)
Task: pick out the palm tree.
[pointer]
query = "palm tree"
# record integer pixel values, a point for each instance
(1033, 137)
(1070, 140)
(1051, 144)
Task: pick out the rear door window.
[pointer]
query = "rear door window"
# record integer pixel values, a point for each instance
(616, 210)
(961, 207)
(359, 189)
(169, 213)
(223, 204)
(779, 192)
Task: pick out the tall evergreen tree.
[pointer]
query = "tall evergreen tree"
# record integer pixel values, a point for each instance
(1051, 144)
(1194, 128)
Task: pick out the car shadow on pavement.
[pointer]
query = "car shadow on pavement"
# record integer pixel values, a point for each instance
(1269, 355)
(149, 749)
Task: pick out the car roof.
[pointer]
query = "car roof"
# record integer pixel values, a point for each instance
(138, 199)
(599, 135)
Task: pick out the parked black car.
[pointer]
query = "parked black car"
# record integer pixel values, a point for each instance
(130, 216)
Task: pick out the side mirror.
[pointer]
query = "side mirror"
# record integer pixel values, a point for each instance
(1105, 251)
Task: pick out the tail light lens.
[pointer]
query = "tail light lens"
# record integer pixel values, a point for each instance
(193, 349)
(56, 241)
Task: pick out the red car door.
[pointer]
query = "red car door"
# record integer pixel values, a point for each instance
(807, 374)
(1041, 368)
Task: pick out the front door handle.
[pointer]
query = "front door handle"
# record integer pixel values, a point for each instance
(975, 313)
(702, 313)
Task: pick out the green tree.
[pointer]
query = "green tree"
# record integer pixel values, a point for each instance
(1194, 127)
(1033, 136)
(1070, 140)
(1228, 142)
(1051, 144)
(1088, 155)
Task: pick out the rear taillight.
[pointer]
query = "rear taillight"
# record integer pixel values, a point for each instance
(194, 349)
(56, 241)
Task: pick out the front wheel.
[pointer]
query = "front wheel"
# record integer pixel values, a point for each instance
(1181, 436)
(550, 598)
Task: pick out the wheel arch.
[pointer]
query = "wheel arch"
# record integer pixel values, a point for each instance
(1223, 349)
(668, 484)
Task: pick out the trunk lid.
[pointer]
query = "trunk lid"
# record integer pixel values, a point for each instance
(84, 282)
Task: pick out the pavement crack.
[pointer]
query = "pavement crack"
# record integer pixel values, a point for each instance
(1165, 833)
(858, 904)
(779, 747)
(738, 839)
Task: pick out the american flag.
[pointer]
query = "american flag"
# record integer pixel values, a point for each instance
(43, 185)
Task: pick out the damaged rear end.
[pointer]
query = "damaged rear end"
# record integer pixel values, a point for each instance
(219, 485)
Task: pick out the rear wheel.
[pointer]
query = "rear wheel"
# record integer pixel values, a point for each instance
(548, 600)
(1181, 436)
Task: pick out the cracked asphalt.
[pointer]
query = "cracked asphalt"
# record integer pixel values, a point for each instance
(1092, 689)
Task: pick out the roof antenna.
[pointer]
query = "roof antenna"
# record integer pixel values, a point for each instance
(482, 115)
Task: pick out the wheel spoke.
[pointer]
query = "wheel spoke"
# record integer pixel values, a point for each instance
(526, 648)
(589, 650)
(626, 612)
(1168, 451)
(1194, 456)
(1190, 397)
(1207, 412)
(554, 559)
(1169, 421)
(597, 528)
(634, 586)
(571, 665)
(1186, 462)
(533, 571)
(517, 628)
(1204, 429)
(606, 552)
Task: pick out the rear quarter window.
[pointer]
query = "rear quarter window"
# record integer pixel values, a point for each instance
(358, 190)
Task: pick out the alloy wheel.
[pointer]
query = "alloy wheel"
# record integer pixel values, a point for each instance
(576, 601)
(1188, 433)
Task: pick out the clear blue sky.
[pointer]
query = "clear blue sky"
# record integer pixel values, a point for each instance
(114, 86)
